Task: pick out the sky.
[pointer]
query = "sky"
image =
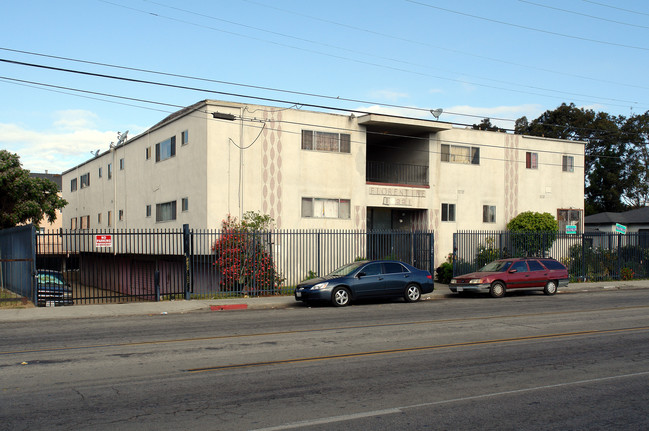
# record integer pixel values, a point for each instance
(501, 59)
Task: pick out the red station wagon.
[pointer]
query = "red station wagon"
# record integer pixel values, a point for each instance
(516, 274)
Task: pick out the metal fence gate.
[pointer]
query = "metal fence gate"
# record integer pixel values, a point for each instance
(17, 264)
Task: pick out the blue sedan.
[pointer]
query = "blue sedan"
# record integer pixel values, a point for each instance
(367, 279)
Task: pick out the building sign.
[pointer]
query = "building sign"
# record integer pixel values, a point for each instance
(103, 241)
(571, 229)
(397, 196)
(620, 228)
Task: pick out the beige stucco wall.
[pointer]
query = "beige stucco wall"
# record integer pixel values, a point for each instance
(265, 143)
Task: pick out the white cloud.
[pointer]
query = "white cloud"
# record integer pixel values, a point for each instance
(59, 149)
(73, 119)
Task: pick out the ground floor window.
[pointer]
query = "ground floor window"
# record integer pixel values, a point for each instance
(488, 214)
(326, 208)
(448, 212)
(165, 211)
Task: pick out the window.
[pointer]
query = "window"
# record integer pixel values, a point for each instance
(73, 223)
(99, 218)
(488, 214)
(184, 137)
(121, 215)
(165, 211)
(85, 180)
(448, 212)
(326, 141)
(110, 218)
(147, 153)
(148, 210)
(520, 266)
(326, 208)
(372, 269)
(568, 164)
(569, 217)
(165, 149)
(85, 222)
(121, 164)
(393, 267)
(73, 185)
(532, 160)
(535, 265)
(100, 172)
(460, 154)
(110, 171)
(185, 204)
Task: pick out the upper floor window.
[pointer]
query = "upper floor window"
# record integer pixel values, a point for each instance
(326, 141)
(165, 149)
(121, 164)
(110, 171)
(568, 164)
(531, 160)
(326, 208)
(148, 210)
(100, 172)
(147, 153)
(85, 180)
(73, 223)
(73, 184)
(448, 212)
(165, 211)
(85, 222)
(460, 154)
(488, 214)
(185, 204)
(184, 137)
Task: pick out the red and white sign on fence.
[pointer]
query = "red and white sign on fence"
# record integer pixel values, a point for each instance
(103, 241)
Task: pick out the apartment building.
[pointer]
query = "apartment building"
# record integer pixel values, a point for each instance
(316, 170)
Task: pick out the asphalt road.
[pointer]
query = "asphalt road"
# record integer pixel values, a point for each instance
(576, 361)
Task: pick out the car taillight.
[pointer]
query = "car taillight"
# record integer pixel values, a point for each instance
(430, 277)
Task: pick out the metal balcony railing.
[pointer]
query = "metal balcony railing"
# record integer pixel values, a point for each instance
(396, 173)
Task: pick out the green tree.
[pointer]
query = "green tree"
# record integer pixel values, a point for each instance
(636, 132)
(485, 124)
(24, 199)
(533, 233)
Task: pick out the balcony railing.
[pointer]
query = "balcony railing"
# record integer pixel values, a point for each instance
(396, 173)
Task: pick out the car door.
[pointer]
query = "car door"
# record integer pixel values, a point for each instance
(538, 273)
(518, 275)
(368, 280)
(395, 278)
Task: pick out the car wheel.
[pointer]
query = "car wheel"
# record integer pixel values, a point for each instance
(497, 290)
(550, 288)
(413, 293)
(340, 297)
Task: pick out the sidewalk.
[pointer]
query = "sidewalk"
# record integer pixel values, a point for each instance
(254, 303)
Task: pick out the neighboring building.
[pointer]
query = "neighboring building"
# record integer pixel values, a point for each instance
(315, 170)
(634, 220)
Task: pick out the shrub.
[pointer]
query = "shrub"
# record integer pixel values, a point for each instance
(242, 258)
(444, 272)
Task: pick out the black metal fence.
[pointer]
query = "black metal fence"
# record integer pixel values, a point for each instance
(17, 264)
(588, 256)
(146, 265)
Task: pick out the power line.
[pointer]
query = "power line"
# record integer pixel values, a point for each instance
(371, 63)
(603, 42)
(583, 14)
(615, 7)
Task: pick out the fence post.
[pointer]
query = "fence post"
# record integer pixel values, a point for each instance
(583, 257)
(156, 284)
(432, 254)
(188, 268)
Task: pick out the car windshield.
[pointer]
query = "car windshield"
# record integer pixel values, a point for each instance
(496, 266)
(346, 270)
(49, 279)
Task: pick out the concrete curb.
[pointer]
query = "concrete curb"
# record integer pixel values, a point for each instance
(241, 304)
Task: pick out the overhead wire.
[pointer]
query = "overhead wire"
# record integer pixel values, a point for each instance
(356, 60)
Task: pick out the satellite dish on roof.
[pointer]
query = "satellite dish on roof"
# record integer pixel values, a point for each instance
(436, 112)
(121, 137)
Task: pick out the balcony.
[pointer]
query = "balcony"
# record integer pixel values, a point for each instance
(396, 173)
